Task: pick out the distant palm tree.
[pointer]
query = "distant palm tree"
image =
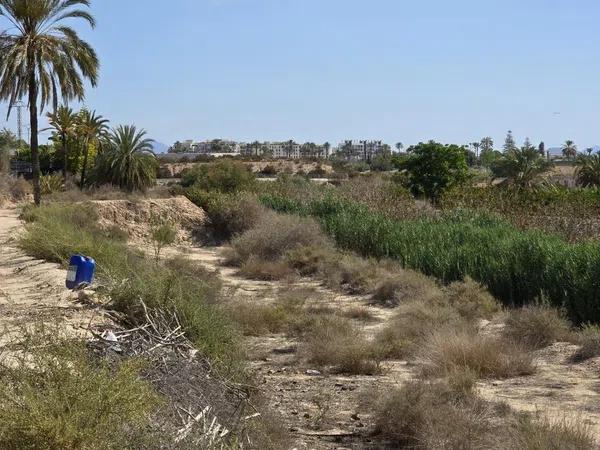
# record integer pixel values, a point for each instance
(327, 147)
(588, 170)
(523, 168)
(64, 121)
(399, 146)
(92, 128)
(41, 58)
(128, 160)
(569, 150)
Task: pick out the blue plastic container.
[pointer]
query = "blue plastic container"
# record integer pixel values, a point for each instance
(81, 272)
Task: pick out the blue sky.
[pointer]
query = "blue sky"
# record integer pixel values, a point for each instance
(324, 70)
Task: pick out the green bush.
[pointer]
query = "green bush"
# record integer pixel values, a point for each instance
(229, 213)
(225, 175)
(518, 267)
(56, 397)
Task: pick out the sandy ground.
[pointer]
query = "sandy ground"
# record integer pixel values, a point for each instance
(33, 291)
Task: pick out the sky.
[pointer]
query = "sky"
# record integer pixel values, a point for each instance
(326, 70)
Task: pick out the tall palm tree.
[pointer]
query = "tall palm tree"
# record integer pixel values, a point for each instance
(43, 59)
(588, 170)
(399, 146)
(327, 147)
(128, 160)
(92, 128)
(569, 150)
(63, 121)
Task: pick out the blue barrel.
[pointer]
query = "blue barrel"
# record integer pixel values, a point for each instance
(81, 272)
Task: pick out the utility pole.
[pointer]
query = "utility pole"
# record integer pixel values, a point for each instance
(19, 106)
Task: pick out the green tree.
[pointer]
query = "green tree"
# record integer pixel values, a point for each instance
(225, 175)
(41, 58)
(486, 144)
(399, 146)
(569, 150)
(127, 161)
(91, 128)
(509, 142)
(433, 168)
(64, 122)
(588, 170)
(523, 168)
(542, 149)
(327, 147)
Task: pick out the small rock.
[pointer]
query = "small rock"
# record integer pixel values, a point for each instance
(294, 413)
(359, 425)
(294, 429)
(306, 416)
(355, 417)
(313, 373)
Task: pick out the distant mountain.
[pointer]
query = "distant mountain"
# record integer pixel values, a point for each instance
(159, 147)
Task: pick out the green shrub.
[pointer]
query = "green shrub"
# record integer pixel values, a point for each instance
(229, 213)
(56, 397)
(225, 175)
(50, 184)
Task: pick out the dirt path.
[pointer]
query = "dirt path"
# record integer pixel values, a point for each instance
(32, 291)
(322, 411)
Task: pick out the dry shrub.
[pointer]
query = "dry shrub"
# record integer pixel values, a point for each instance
(13, 189)
(440, 415)
(358, 313)
(435, 416)
(259, 269)
(311, 260)
(412, 324)
(334, 342)
(546, 435)
(589, 340)
(537, 326)
(275, 235)
(451, 349)
(472, 300)
(404, 285)
(257, 319)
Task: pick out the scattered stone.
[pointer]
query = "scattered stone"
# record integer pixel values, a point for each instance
(294, 413)
(313, 373)
(306, 416)
(355, 417)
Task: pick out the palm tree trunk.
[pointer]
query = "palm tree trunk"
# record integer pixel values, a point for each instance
(65, 159)
(86, 150)
(33, 121)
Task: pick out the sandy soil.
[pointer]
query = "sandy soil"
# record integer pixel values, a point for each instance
(32, 291)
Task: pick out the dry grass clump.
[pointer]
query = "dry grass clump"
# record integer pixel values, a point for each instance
(54, 396)
(589, 340)
(358, 313)
(275, 235)
(536, 326)
(435, 416)
(260, 269)
(440, 415)
(12, 189)
(402, 285)
(472, 300)
(545, 435)
(334, 342)
(452, 349)
(412, 324)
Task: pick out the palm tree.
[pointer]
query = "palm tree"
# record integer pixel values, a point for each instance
(588, 170)
(327, 147)
(92, 128)
(523, 168)
(63, 120)
(128, 160)
(41, 58)
(569, 150)
(399, 146)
